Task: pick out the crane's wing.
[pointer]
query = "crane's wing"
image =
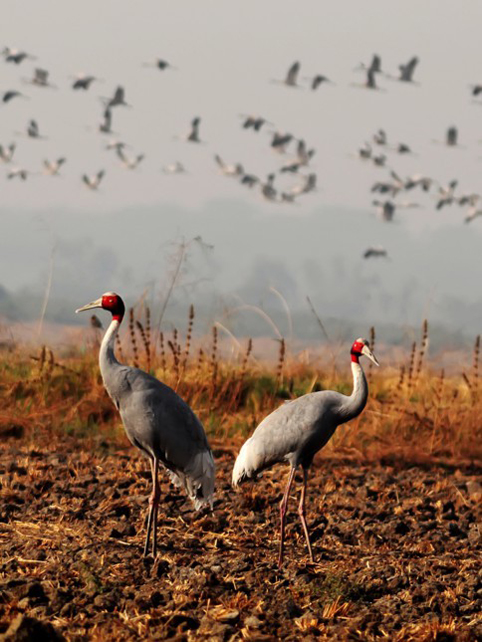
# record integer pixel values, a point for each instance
(310, 419)
(161, 424)
(292, 74)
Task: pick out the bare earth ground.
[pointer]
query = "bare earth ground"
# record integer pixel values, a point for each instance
(397, 548)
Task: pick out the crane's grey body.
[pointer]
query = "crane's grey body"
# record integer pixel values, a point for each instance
(298, 429)
(160, 423)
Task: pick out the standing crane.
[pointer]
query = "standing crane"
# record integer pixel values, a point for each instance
(297, 430)
(157, 421)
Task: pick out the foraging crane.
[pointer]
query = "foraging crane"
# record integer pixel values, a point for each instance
(94, 181)
(157, 421)
(52, 168)
(297, 430)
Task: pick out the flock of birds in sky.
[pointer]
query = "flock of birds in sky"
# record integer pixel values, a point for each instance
(296, 153)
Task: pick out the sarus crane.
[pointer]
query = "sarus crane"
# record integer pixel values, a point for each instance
(297, 430)
(157, 421)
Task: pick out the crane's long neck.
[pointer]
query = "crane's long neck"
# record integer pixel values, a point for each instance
(358, 398)
(107, 359)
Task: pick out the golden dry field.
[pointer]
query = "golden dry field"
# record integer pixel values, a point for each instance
(393, 502)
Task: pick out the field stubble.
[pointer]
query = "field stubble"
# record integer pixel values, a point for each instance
(393, 503)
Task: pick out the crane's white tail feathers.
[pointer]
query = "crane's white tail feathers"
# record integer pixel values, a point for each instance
(244, 466)
(197, 479)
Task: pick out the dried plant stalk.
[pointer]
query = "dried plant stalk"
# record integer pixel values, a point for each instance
(247, 354)
(148, 330)
(187, 346)
(423, 349)
(412, 363)
(118, 342)
(132, 334)
(163, 351)
(475, 365)
(145, 342)
(281, 361)
(214, 359)
(175, 357)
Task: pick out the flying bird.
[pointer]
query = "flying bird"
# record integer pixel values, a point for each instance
(53, 167)
(254, 122)
(105, 125)
(157, 421)
(375, 252)
(129, 162)
(9, 95)
(18, 172)
(407, 70)
(291, 78)
(297, 430)
(40, 78)
(318, 80)
(472, 214)
(160, 64)
(94, 181)
(117, 99)
(6, 153)
(33, 130)
(174, 168)
(82, 81)
(16, 56)
(235, 170)
(193, 134)
(280, 141)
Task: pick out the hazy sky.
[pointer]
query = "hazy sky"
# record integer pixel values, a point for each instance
(226, 54)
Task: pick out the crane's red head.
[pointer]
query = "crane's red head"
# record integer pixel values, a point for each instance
(361, 347)
(109, 301)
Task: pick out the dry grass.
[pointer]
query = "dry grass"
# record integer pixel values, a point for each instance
(415, 411)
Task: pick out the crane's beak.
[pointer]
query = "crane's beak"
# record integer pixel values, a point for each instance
(368, 353)
(90, 306)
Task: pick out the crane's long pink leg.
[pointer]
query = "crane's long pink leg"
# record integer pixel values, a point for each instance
(153, 505)
(282, 507)
(301, 512)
